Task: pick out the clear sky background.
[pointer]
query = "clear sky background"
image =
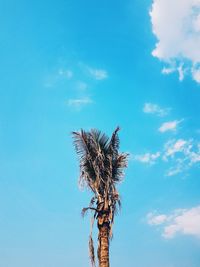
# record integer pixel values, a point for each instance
(71, 64)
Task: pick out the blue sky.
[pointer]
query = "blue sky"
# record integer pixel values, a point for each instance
(67, 65)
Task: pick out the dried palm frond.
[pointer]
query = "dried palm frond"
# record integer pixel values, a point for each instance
(84, 210)
(91, 251)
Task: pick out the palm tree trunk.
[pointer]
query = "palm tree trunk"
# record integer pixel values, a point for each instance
(103, 248)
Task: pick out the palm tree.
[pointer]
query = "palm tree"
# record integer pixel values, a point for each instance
(101, 168)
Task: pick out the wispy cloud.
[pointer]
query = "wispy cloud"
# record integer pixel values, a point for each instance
(78, 103)
(176, 25)
(169, 126)
(168, 70)
(173, 68)
(182, 153)
(196, 74)
(155, 109)
(154, 219)
(175, 170)
(180, 156)
(180, 221)
(65, 73)
(149, 158)
(188, 148)
(59, 75)
(98, 74)
(95, 73)
(174, 146)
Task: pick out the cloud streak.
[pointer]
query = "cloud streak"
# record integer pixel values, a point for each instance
(151, 108)
(169, 126)
(98, 74)
(95, 73)
(148, 158)
(78, 103)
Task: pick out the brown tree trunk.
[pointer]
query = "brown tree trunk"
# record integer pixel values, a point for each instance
(103, 248)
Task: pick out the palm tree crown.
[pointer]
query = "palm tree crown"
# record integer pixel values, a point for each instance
(101, 168)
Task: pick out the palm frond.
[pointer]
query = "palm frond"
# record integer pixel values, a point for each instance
(85, 210)
(80, 143)
(91, 251)
(119, 204)
(92, 201)
(100, 140)
(119, 164)
(114, 142)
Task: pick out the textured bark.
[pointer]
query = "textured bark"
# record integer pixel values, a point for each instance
(103, 249)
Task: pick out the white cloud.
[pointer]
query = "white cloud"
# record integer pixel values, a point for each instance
(194, 157)
(98, 74)
(147, 157)
(196, 74)
(169, 126)
(174, 146)
(180, 221)
(181, 72)
(176, 25)
(189, 149)
(79, 102)
(168, 70)
(182, 153)
(155, 109)
(153, 219)
(179, 155)
(173, 68)
(174, 170)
